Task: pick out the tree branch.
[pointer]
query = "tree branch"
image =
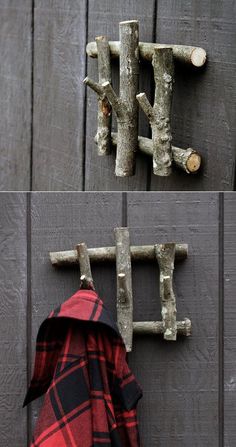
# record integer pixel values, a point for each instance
(124, 286)
(187, 159)
(165, 254)
(187, 54)
(104, 109)
(108, 254)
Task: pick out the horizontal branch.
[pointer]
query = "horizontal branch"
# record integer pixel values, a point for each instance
(189, 54)
(157, 327)
(108, 254)
(187, 159)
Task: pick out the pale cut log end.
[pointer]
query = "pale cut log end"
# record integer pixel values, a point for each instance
(198, 57)
(193, 163)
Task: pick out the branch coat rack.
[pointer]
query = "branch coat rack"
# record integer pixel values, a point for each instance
(125, 107)
(123, 254)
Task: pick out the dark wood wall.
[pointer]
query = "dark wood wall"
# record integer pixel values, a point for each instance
(48, 119)
(189, 386)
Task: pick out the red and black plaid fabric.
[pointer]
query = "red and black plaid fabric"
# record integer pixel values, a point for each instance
(80, 363)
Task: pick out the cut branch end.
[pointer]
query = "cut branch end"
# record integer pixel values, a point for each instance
(198, 57)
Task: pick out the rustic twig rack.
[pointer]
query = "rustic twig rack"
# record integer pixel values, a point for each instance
(122, 253)
(131, 51)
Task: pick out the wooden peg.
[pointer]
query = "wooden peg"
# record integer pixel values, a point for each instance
(165, 254)
(124, 286)
(85, 269)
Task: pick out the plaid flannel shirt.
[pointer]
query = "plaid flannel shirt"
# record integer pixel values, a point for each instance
(80, 363)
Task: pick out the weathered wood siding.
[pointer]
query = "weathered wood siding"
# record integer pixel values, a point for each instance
(48, 119)
(189, 386)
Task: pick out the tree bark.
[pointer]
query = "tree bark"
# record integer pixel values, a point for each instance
(187, 54)
(124, 286)
(165, 254)
(159, 115)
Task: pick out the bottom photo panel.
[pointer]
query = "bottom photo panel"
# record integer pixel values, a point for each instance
(118, 319)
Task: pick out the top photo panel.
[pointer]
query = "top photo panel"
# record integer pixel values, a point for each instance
(117, 95)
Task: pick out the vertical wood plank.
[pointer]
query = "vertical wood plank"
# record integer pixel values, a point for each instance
(103, 19)
(13, 291)
(180, 402)
(204, 103)
(59, 222)
(229, 319)
(15, 94)
(59, 69)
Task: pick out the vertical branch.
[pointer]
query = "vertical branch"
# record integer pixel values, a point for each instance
(103, 136)
(160, 114)
(127, 116)
(85, 269)
(124, 286)
(165, 254)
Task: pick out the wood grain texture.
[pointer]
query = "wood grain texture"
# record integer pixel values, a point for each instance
(182, 376)
(59, 69)
(229, 319)
(15, 94)
(64, 220)
(13, 292)
(103, 19)
(204, 101)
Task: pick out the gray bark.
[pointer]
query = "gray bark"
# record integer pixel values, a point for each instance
(187, 159)
(103, 135)
(160, 114)
(124, 286)
(86, 280)
(126, 107)
(165, 254)
(108, 254)
(187, 54)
